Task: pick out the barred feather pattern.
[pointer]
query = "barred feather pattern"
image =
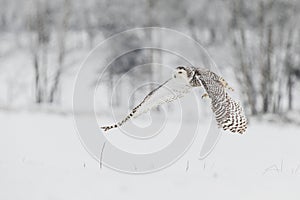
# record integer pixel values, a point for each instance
(228, 113)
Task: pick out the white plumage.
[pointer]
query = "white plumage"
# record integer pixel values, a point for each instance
(229, 114)
(165, 93)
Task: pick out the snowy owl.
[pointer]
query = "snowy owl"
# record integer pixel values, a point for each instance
(228, 113)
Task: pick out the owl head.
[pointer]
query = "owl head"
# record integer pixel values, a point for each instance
(183, 73)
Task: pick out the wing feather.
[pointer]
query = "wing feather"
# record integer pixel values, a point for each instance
(169, 91)
(228, 113)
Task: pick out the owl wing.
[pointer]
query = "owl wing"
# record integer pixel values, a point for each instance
(228, 113)
(169, 91)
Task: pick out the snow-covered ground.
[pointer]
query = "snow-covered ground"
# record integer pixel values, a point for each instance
(41, 157)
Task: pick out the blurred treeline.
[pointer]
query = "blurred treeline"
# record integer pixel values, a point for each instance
(262, 37)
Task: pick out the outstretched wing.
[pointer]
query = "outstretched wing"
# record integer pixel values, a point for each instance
(167, 92)
(229, 114)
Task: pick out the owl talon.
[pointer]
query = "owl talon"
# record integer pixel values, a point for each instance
(231, 89)
(204, 95)
(225, 84)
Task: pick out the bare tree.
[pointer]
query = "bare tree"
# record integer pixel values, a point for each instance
(245, 71)
(61, 39)
(39, 27)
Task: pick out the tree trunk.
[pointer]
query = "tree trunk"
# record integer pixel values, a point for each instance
(38, 95)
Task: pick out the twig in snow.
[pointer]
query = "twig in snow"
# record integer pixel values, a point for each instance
(101, 155)
(187, 166)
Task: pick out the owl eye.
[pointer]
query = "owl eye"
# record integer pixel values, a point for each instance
(179, 72)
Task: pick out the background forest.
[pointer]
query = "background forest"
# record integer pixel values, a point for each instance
(43, 44)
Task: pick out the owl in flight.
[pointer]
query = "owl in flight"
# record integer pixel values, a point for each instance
(228, 113)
